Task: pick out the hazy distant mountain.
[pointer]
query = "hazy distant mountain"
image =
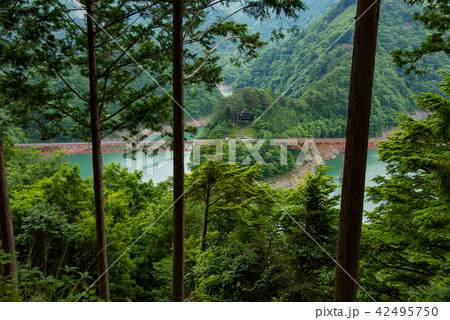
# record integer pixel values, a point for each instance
(315, 8)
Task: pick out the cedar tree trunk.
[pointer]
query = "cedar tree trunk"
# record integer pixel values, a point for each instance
(350, 221)
(205, 223)
(6, 226)
(178, 153)
(97, 157)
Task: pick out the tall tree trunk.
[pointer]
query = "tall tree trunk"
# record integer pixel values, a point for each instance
(350, 221)
(178, 153)
(6, 226)
(205, 222)
(97, 161)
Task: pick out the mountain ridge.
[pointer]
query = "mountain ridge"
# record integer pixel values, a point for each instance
(323, 89)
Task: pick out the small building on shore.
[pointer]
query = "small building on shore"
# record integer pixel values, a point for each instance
(246, 115)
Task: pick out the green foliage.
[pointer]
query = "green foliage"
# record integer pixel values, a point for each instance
(407, 240)
(273, 162)
(272, 29)
(122, 184)
(67, 285)
(265, 256)
(285, 118)
(44, 230)
(122, 92)
(199, 101)
(226, 192)
(55, 225)
(322, 92)
(30, 165)
(311, 206)
(24, 25)
(228, 273)
(434, 15)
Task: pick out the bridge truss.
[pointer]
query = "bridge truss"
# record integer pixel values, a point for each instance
(164, 146)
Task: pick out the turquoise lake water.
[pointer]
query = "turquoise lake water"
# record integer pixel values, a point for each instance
(160, 167)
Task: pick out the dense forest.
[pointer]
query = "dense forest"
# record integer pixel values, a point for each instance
(316, 103)
(251, 251)
(82, 72)
(270, 30)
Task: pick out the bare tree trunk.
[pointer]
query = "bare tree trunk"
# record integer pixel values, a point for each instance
(6, 226)
(97, 162)
(205, 222)
(350, 221)
(178, 153)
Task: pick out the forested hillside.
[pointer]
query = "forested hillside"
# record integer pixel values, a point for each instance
(315, 8)
(285, 118)
(322, 89)
(219, 232)
(199, 100)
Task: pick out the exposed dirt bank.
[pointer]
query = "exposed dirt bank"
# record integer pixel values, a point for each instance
(294, 178)
(224, 87)
(419, 115)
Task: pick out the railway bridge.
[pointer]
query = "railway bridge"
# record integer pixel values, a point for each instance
(164, 146)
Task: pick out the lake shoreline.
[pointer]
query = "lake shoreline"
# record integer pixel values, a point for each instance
(293, 178)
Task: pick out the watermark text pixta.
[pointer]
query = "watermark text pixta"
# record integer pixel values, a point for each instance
(215, 149)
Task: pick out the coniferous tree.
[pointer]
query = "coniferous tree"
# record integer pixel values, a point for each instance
(178, 153)
(312, 205)
(23, 24)
(202, 68)
(407, 237)
(223, 189)
(359, 105)
(97, 68)
(434, 15)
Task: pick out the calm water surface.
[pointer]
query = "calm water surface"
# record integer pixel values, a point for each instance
(374, 168)
(160, 167)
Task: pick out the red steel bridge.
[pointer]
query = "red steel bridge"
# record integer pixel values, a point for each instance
(164, 146)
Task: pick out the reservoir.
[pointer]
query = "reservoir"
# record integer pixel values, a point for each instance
(160, 167)
(374, 168)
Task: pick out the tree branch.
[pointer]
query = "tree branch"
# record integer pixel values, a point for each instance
(70, 87)
(73, 21)
(10, 10)
(207, 57)
(111, 23)
(199, 10)
(121, 88)
(103, 100)
(128, 104)
(67, 114)
(111, 39)
(119, 126)
(122, 54)
(11, 28)
(213, 26)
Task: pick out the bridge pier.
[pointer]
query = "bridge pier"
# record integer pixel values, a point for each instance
(341, 169)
